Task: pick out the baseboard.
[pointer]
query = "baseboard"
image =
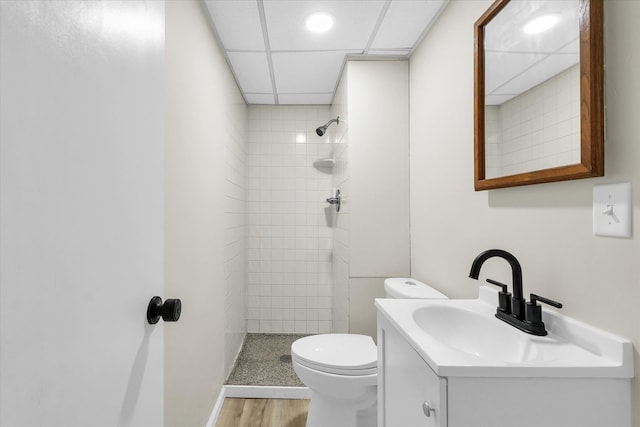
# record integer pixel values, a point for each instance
(256, 392)
(215, 413)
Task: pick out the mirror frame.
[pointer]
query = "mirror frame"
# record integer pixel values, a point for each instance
(591, 104)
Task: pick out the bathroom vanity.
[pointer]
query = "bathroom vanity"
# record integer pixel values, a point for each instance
(452, 363)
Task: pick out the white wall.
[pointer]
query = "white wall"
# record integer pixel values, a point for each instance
(288, 239)
(374, 174)
(378, 167)
(340, 220)
(547, 226)
(205, 124)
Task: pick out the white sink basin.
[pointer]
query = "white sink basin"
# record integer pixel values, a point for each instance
(472, 333)
(464, 338)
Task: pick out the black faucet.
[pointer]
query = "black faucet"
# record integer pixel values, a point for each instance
(514, 313)
(517, 302)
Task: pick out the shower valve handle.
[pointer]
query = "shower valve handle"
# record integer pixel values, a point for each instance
(335, 200)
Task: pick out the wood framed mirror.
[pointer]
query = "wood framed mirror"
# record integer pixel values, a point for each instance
(539, 92)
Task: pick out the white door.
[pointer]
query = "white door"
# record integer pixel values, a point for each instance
(81, 212)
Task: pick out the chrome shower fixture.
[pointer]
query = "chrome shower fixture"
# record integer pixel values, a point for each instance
(322, 129)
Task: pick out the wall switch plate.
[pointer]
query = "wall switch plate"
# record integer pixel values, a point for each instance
(612, 210)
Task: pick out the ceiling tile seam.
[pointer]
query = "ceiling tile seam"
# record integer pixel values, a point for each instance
(245, 51)
(387, 49)
(523, 52)
(435, 19)
(376, 27)
(267, 47)
(529, 68)
(216, 36)
(346, 51)
(305, 93)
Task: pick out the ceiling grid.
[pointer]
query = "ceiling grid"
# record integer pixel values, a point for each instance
(275, 60)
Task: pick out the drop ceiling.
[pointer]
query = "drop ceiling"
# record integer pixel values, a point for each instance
(275, 60)
(516, 62)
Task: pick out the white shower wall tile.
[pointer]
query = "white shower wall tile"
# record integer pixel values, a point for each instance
(537, 130)
(288, 239)
(237, 289)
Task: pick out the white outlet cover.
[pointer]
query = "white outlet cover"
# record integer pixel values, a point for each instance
(612, 210)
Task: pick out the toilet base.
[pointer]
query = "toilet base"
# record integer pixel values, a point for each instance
(325, 411)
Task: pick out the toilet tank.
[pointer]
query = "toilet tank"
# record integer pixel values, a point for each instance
(403, 287)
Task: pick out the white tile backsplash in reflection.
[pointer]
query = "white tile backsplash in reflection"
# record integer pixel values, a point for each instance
(539, 129)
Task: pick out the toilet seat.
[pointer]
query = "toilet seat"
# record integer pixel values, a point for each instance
(340, 354)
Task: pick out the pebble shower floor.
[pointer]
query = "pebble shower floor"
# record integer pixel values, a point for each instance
(265, 360)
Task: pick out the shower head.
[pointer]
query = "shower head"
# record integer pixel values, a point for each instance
(322, 129)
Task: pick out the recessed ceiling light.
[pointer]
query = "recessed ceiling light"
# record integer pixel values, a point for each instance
(541, 24)
(319, 22)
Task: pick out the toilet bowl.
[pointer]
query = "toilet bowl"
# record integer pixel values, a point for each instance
(341, 369)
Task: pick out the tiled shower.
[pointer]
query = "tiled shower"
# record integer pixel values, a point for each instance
(289, 241)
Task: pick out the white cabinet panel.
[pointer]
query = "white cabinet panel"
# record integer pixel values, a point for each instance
(406, 384)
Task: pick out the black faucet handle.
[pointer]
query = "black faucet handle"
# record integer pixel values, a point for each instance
(504, 297)
(533, 314)
(495, 282)
(535, 298)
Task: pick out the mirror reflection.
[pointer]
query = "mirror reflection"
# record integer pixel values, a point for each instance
(532, 87)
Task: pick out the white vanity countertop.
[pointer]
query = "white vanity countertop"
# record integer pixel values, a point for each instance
(462, 338)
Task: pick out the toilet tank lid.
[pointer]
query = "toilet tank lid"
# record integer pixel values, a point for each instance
(343, 351)
(406, 287)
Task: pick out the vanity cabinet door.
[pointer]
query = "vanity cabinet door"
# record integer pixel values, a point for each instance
(408, 388)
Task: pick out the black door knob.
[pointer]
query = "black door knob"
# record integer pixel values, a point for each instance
(169, 311)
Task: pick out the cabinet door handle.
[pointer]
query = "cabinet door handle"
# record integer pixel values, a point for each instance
(427, 409)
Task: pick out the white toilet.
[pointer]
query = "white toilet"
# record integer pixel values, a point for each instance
(341, 369)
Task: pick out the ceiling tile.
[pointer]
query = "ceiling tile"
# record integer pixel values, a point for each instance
(501, 67)
(252, 71)
(404, 23)
(304, 72)
(306, 66)
(237, 24)
(354, 23)
(497, 99)
(573, 47)
(389, 52)
(259, 98)
(504, 32)
(307, 98)
(544, 70)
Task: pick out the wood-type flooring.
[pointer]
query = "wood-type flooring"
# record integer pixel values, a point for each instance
(238, 412)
